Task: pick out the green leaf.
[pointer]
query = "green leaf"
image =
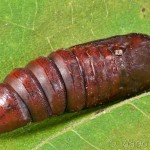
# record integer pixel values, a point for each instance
(32, 28)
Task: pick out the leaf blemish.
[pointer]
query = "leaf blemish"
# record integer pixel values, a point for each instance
(143, 9)
(99, 111)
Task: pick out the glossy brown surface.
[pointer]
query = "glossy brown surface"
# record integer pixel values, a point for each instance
(88, 70)
(27, 86)
(100, 68)
(73, 79)
(13, 112)
(81, 76)
(52, 83)
(112, 72)
(132, 57)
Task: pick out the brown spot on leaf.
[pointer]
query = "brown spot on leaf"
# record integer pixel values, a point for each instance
(143, 9)
(99, 111)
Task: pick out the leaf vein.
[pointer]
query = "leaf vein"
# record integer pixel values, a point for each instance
(82, 138)
(141, 111)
